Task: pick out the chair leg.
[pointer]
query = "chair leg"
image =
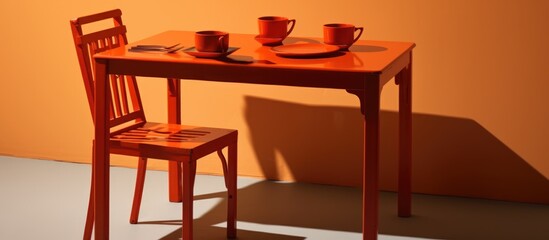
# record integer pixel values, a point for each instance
(188, 178)
(90, 217)
(138, 194)
(232, 190)
(224, 167)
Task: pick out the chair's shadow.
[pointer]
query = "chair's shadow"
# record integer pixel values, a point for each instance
(282, 204)
(313, 206)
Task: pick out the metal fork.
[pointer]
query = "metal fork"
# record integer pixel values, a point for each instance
(156, 48)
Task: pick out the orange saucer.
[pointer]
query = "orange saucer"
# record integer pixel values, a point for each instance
(195, 53)
(266, 41)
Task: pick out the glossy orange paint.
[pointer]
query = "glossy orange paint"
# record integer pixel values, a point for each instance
(124, 130)
(211, 41)
(341, 34)
(362, 71)
(275, 26)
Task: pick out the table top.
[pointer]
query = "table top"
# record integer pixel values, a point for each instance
(365, 57)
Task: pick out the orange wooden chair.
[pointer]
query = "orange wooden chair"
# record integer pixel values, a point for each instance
(132, 135)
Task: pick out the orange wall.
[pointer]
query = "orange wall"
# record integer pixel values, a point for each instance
(480, 83)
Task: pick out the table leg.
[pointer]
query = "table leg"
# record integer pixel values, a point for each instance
(174, 116)
(404, 80)
(232, 190)
(188, 177)
(101, 152)
(370, 188)
(370, 107)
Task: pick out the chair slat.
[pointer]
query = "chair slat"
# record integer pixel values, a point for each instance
(121, 98)
(99, 16)
(136, 100)
(103, 44)
(92, 46)
(123, 95)
(133, 116)
(115, 96)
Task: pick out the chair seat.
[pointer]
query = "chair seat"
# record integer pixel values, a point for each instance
(171, 141)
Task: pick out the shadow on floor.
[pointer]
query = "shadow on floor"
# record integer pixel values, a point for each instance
(313, 206)
(218, 233)
(323, 144)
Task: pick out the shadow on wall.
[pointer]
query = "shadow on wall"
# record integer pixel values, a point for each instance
(451, 156)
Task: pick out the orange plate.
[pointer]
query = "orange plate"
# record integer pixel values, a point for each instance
(304, 50)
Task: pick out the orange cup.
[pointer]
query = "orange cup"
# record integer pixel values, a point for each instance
(341, 34)
(275, 27)
(211, 41)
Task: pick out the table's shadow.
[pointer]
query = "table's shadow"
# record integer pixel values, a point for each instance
(451, 156)
(324, 207)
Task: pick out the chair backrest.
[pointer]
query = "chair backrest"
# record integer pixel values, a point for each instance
(122, 110)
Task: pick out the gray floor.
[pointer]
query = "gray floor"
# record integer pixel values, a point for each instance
(48, 199)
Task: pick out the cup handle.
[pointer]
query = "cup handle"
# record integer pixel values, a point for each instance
(292, 21)
(359, 34)
(220, 42)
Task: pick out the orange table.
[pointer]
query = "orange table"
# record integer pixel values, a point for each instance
(363, 72)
